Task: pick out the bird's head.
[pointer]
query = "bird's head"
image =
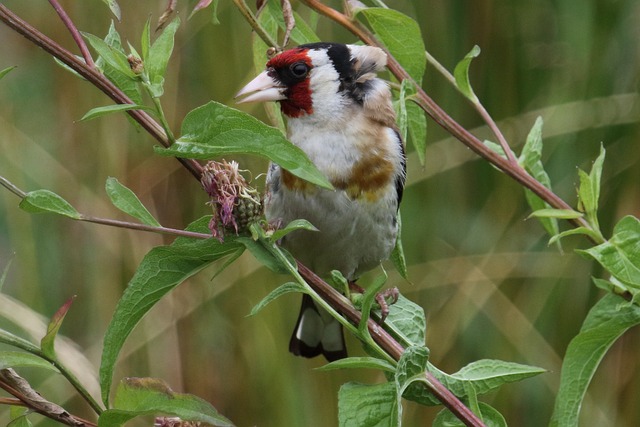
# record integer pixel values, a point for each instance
(320, 79)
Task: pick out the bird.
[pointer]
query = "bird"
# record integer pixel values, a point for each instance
(340, 113)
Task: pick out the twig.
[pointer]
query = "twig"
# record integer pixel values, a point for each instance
(74, 33)
(95, 77)
(479, 108)
(445, 121)
(388, 343)
(144, 227)
(253, 21)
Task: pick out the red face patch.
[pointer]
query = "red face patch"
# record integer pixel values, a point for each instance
(298, 92)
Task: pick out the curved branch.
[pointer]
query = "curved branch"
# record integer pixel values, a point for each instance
(434, 111)
(94, 77)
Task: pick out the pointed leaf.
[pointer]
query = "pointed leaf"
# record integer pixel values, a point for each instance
(40, 201)
(417, 122)
(605, 323)
(531, 160)
(149, 396)
(6, 71)
(126, 200)
(110, 109)
(487, 375)
(145, 40)
(361, 405)
(278, 292)
(114, 7)
(159, 54)
(18, 416)
(490, 418)
(589, 190)
(296, 224)
(620, 255)
(161, 270)
(575, 231)
(556, 213)
(47, 344)
(112, 56)
(401, 35)
(18, 359)
(262, 254)
(360, 363)
(215, 130)
(15, 341)
(461, 74)
(406, 321)
(397, 255)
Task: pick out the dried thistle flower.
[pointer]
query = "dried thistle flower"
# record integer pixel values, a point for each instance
(235, 204)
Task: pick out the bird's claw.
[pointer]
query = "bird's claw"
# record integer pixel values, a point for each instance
(384, 299)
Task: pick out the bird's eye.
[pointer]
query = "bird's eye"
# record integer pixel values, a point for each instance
(299, 69)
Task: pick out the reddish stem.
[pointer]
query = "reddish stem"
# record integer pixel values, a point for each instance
(74, 33)
(95, 77)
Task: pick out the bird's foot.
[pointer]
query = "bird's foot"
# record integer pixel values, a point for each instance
(383, 299)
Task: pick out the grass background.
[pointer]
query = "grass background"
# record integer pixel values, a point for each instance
(489, 284)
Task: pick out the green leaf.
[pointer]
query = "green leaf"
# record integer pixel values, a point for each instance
(111, 55)
(18, 359)
(397, 255)
(296, 224)
(145, 40)
(126, 80)
(6, 71)
(620, 255)
(361, 405)
(575, 231)
(589, 190)
(368, 300)
(406, 322)
(417, 126)
(40, 201)
(263, 254)
(150, 396)
(531, 160)
(126, 200)
(607, 320)
(556, 213)
(5, 272)
(47, 344)
(484, 375)
(15, 341)
(159, 54)
(268, 22)
(461, 74)
(279, 291)
(18, 416)
(110, 109)
(161, 270)
(215, 130)
(487, 375)
(301, 33)
(359, 363)
(401, 35)
(490, 417)
(114, 7)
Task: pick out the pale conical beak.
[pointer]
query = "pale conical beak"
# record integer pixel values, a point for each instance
(262, 88)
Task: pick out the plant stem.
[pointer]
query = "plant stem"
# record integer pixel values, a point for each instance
(511, 169)
(478, 106)
(253, 22)
(94, 77)
(388, 344)
(144, 227)
(74, 33)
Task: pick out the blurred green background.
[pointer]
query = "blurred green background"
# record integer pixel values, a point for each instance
(489, 284)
